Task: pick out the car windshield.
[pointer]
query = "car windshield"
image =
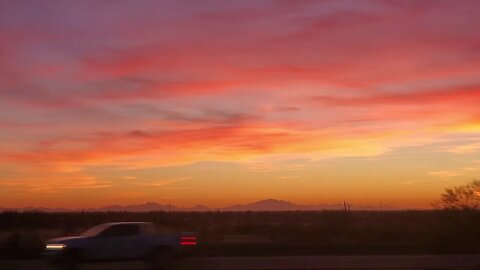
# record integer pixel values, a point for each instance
(95, 230)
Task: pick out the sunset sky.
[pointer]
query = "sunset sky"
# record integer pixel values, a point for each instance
(225, 102)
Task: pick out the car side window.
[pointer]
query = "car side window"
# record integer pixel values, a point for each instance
(121, 230)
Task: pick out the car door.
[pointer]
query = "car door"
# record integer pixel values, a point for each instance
(115, 243)
(131, 243)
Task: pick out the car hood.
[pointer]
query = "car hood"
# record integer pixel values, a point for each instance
(64, 239)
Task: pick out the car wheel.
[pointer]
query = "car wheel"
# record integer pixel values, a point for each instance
(70, 260)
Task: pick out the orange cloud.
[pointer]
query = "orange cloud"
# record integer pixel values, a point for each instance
(56, 184)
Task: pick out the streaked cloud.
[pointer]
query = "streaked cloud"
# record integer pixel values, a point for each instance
(56, 185)
(444, 173)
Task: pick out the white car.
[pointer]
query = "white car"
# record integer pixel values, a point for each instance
(119, 241)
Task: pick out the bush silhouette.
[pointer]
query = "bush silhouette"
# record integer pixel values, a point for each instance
(461, 197)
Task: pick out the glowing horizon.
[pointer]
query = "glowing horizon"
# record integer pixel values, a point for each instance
(223, 102)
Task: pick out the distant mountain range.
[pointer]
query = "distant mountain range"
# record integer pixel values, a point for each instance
(263, 205)
(279, 205)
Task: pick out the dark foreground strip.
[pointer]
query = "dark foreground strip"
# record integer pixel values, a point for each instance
(424, 262)
(345, 262)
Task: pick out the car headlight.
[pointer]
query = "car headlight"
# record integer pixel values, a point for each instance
(55, 246)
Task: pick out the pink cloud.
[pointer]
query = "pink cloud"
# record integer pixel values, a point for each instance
(460, 95)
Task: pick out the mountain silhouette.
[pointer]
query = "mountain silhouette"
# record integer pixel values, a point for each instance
(265, 205)
(262, 205)
(146, 207)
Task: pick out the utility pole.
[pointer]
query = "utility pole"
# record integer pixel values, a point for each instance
(346, 206)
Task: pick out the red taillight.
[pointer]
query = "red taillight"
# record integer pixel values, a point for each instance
(188, 240)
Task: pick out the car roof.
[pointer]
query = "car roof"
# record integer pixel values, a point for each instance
(127, 223)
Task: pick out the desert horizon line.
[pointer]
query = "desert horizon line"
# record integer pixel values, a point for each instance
(268, 204)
